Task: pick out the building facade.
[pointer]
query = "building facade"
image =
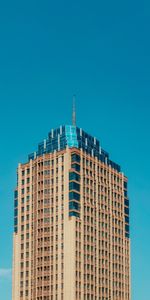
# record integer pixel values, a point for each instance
(71, 222)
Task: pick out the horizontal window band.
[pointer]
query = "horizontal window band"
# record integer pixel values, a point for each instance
(74, 205)
(74, 176)
(76, 167)
(74, 186)
(75, 157)
(126, 202)
(127, 235)
(126, 211)
(74, 196)
(126, 219)
(127, 228)
(74, 214)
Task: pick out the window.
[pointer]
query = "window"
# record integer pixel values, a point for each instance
(74, 205)
(15, 222)
(16, 212)
(126, 202)
(75, 158)
(15, 194)
(28, 198)
(126, 219)
(126, 210)
(127, 228)
(125, 184)
(76, 167)
(21, 294)
(73, 213)
(74, 196)
(74, 186)
(74, 176)
(125, 193)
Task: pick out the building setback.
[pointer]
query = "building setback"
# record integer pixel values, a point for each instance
(71, 222)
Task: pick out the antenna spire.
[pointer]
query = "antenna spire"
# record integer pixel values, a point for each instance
(74, 111)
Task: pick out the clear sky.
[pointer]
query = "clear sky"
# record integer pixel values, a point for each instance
(99, 50)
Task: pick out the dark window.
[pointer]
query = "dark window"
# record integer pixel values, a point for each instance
(76, 167)
(125, 184)
(74, 196)
(16, 212)
(127, 235)
(74, 176)
(15, 221)
(15, 229)
(126, 210)
(75, 157)
(74, 213)
(125, 193)
(126, 219)
(126, 202)
(74, 206)
(127, 228)
(16, 203)
(15, 194)
(74, 186)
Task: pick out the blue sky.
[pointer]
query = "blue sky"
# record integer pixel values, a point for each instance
(101, 52)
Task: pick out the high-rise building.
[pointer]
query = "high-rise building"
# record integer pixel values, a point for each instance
(71, 222)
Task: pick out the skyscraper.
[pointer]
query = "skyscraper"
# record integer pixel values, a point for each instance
(71, 222)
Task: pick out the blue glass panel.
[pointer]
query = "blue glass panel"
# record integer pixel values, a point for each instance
(76, 167)
(74, 206)
(125, 184)
(126, 210)
(74, 196)
(16, 203)
(15, 194)
(75, 157)
(125, 193)
(127, 235)
(71, 136)
(15, 221)
(74, 186)
(126, 202)
(15, 229)
(31, 156)
(16, 212)
(126, 219)
(74, 176)
(102, 158)
(74, 213)
(127, 228)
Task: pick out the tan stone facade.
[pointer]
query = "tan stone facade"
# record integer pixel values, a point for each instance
(69, 240)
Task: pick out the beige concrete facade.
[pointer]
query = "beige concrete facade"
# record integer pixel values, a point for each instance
(62, 257)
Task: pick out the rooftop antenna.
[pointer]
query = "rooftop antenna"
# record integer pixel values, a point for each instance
(74, 111)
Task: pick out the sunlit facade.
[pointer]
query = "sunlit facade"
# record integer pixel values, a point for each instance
(71, 222)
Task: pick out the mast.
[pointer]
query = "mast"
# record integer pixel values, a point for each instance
(74, 111)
